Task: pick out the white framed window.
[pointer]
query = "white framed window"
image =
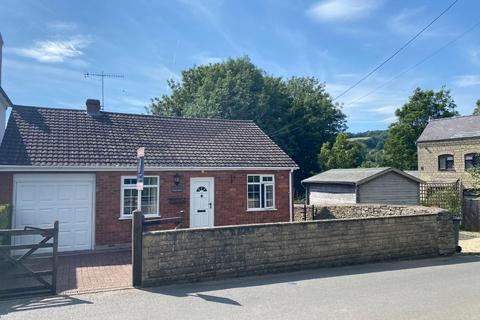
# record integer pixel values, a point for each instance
(260, 192)
(150, 196)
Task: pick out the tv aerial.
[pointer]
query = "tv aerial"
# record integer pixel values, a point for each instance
(102, 76)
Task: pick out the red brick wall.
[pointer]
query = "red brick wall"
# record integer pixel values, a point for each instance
(230, 201)
(6, 188)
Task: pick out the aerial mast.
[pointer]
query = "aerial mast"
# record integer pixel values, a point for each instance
(102, 76)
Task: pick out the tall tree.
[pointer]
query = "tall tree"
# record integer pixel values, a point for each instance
(344, 153)
(476, 111)
(297, 113)
(312, 120)
(413, 117)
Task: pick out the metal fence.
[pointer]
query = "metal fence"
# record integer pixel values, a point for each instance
(442, 195)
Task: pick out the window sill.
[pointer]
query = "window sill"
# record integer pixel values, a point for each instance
(261, 210)
(451, 170)
(146, 217)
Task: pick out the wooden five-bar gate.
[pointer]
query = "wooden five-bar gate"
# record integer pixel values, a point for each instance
(22, 274)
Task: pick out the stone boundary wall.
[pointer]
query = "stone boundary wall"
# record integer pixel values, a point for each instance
(352, 211)
(187, 255)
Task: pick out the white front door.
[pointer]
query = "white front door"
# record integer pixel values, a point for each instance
(201, 202)
(42, 198)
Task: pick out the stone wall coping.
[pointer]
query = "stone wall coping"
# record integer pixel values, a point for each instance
(276, 224)
(374, 205)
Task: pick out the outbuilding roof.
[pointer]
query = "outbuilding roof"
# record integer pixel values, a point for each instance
(354, 176)
(451, 128)
(38, 136)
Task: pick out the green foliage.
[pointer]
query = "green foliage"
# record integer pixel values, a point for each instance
(476, 111)
(413, 117)
(5, 221)
(297, 113)
(344, 153)
(374, 140)
(374, 158)
(445, 198)
(475, 173)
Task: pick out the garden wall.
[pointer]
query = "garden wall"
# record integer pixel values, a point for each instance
(349, 211)
(199, 254)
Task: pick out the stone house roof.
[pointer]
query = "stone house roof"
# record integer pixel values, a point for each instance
(451, 128)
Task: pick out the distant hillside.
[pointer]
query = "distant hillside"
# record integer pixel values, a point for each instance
(374, 140)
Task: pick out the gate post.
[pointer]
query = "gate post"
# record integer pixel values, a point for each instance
(55, 258)
(137, 239)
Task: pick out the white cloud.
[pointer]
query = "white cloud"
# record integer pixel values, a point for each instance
(389, 119)
(404, 22)
(54, 51)
(343, 10)
(205, 57)
(474, 55)
(390, 109)
(62, 26)
(409, 21)
(467, 80)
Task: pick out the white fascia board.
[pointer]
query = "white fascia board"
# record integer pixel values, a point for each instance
(8, 168)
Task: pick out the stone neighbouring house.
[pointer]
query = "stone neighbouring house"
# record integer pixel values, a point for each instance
(79, 167)
(363, 185)
(447, 148)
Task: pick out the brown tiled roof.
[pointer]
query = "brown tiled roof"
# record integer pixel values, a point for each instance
(38, 136)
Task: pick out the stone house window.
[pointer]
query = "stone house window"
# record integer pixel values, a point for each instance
(445, 162)
(471, 161)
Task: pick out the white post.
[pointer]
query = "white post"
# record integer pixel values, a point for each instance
(139, 200)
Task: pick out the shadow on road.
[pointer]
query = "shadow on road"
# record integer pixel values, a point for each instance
(194, 289)
(33, 303)
(216, 299)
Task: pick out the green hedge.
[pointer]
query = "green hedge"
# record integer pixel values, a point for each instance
(5, 220)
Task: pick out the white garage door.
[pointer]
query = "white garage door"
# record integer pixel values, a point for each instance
(40, 199)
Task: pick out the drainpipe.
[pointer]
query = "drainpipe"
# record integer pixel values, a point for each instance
(290, 193)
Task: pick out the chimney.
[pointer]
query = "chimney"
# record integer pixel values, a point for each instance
(1, 49)
(93, 106)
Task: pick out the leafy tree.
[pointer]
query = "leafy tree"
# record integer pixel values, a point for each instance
(476, 111)
(312, 120)
(413, 117)
(374, 158)
(298, 114)
(344, 153)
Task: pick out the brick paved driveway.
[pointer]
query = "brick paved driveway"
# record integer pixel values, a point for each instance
(89, 272)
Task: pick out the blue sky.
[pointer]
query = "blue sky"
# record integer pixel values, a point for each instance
(49, 45)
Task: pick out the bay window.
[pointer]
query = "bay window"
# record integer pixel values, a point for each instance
(150, 196)
(261, 192)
